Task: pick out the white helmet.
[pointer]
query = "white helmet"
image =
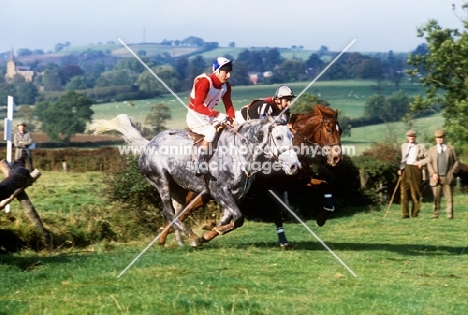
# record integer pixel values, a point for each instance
(222, 62)
(284, 91)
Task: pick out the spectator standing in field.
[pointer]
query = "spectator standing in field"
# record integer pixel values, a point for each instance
(260, 108)
(202, 117)
(441, 163)
(22, 140)
(411, 175)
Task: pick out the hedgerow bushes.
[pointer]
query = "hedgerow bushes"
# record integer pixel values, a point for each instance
(76, 160)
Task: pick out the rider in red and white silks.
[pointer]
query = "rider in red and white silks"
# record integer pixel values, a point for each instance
(202, 118)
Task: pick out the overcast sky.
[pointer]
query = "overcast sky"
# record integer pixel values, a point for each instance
(377, 25)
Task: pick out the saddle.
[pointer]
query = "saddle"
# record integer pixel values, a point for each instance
(198, 138)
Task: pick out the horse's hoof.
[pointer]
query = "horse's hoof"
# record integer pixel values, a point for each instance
(322, 217)
(209, 235)
(286, 246)
(195, 242)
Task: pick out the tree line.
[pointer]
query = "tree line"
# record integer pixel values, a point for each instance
(104, 78)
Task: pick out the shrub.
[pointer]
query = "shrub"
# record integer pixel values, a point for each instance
(125, 186)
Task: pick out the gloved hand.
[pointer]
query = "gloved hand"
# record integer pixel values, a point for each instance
(219, 119)
(230, 122)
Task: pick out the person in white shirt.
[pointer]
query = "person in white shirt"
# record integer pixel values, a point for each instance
(411, 175)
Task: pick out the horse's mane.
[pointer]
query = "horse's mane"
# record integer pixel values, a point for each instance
(256, 126)
(317, 110)
(323, 110)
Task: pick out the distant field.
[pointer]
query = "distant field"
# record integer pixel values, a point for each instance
(362, 138)
(154, 50)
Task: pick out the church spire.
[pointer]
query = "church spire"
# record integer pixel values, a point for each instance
(12, 54)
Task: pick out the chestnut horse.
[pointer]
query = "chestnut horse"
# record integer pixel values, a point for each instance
(315, 133)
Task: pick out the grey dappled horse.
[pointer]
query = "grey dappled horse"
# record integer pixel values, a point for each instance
(168, 165)
(317, 129)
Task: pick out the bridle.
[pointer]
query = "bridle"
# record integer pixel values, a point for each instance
(270, 155)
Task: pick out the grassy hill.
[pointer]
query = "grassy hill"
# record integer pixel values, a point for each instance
(116, 49)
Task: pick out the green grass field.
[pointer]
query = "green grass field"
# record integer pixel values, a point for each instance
(414, 266)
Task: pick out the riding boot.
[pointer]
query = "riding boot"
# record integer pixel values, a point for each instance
(202, 168)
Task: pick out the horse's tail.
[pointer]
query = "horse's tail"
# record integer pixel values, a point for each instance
(123, 124)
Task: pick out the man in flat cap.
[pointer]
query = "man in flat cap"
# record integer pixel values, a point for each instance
(411, 174)
(441, 163)
(22, 140)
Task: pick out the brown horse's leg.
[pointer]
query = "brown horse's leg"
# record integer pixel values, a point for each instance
(197, 204)
(165, 232)
(219, 230)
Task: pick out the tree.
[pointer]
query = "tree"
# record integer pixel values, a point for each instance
(133, 64)
(446, 77)
(182, 67)
(390, 109)
(152, 87)
(373, 106)
(157, 117)
(51, 80)
(306, 102)
(240, 74)
(193, 41)
(77, 83)
(22, 52)
(197, 66)
(5, 91)
(26, 113)
(272, 59)
(65, 117)
(314, 65)
(26, 93)
(68, 72)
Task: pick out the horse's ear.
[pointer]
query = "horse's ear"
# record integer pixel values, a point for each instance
(319, 110)
(336, 113)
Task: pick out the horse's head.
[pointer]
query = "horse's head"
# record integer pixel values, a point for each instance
(272, 140)
(318, 132)
(279, 145)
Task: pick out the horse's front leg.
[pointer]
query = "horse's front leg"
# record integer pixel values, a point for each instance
(188, 198)
(169, 214)
(231, 220)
